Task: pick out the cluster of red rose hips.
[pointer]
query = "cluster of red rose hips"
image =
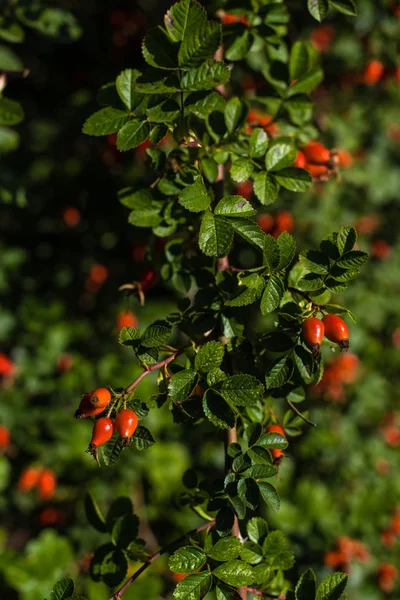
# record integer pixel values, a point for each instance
(331, 326)
(93, 404)
(347, 551)
(321, 162)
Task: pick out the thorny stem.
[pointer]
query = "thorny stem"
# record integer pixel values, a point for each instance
(154, 557)
(149, 369)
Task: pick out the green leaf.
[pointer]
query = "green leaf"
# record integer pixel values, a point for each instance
(126, 85)
(224, 521)
(318, 8)
(11, 31)
(186, 560)
(241, 169)
(216, 235)
(93, 513)
(9, 61)
(240, 46)
(273, 439)
(258, 142)
(307, 83)
(304, 363)
(269, 495)
(62, 590)
(166, 112)
(235, 573)
(260, 471)
(233, 206)
(271, 253)
(183, 18)
(262, 573)
(225, 593)
(249, 291)
(227, 548)
(274, 548)
(294, 179)
(156, 334)
(11, 112)
(200, 45)
(132, 134)
(248, 492)
(310, 283)
(249, 231)
(234, 114)
(347, 7)
(346, 239)
(272, 295)
(279, 156)
(299, 60)
(182, 384)
(9, 139)
(209, 356)
(266, 188)
(218, 411)
(252, 553)
(209, 167)
(159, 51)
(105, 121)
(332, 587)
(242, 390)
(279, 373)
(142, 438)
(111, 451)
(109, 565)
(195, 197)
(353, 259)
(125, 530)
(257, 529)
(315, 261)
(206, 77)
(189, 588)
(305, 588)
(287, 249)
(128, 336)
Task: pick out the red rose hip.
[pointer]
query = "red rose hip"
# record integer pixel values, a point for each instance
(126, 422)
(313, 331)
(336, 331)
(316, 153)
(102, 433)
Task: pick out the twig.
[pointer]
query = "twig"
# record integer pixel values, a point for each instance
(148, 370)
(292, 406)
(154, 557)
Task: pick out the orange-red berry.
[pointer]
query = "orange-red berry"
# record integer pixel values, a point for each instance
(336, 331)
(4, 437)
(28, 479)
(126, 422)
(103, 430)
(47, 483)
(316, 153)
(126, 318)
(313, 331)
(373, 72)
(300, 161)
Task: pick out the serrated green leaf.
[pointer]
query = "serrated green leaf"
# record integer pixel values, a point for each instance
(249, 291)
(241, 169)
(346, 239)
(125, 530)
(294, 179)
(128, 336)
(218, 411)
(352, 259)
(111, 451)
(252, 553)
(273, 439)
(105, 121)
(142, 438)
(269, 495)
(93, 513)
(318, 8)
(228, 548)
(242, 390)
(287, 249)
(132, 134)
(249, 231)
(209, 75)
(195, 197)
(189, 588)
(234, 114)
(126, 86)
(266, 187)
(307, 83)
(315, 261)
(182, 384)
(159, 51)
(234, 206)
(347, 7)
(257, 529)
(235, 572)
(166, 112)
(183, 18)
(216, 235)
(260, 471)
(157, 334)
(305, 588)
(258, 143)
(299, 60)
(304, 363)
(333, 587)
(279, 373)
(187, 559)
(209, 356)
(272, 295)
(279, 156)
(62, 590)
(200, 45)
